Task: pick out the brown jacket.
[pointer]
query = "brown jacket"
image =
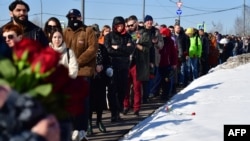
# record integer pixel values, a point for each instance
(84, 43)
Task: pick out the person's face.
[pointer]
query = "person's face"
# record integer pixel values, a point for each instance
(52, 25)
(171, 30)
(11, 38)
(131, 25)
(148, 24)
(177, 29)
(106, 31)
(119, 27)
(57, 39)
(201, 32)
(20, 12)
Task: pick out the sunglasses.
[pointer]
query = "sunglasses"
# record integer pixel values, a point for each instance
(11, 36)
(52, 26)
(130, 25)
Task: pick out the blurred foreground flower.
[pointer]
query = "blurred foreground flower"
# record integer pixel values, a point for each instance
(34, 71)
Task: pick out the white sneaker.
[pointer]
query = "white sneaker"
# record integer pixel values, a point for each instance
(75, 135)
(82, 136)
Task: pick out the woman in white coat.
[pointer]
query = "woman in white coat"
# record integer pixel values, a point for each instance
(68, 58)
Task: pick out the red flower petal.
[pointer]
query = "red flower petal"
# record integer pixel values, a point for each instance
(33, 47)
(48, 58)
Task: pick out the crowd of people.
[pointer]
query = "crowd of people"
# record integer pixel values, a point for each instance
(124, 65)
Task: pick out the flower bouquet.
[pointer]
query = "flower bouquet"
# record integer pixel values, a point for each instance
(34, 70)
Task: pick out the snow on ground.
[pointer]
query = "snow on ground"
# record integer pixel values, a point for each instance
(200, 111)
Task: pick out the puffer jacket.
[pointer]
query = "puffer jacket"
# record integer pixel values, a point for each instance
(84, 43)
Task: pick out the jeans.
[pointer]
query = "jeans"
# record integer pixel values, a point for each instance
(194, 67)
(166, 85)
(156, 82)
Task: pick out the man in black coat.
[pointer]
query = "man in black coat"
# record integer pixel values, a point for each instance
(19, 15)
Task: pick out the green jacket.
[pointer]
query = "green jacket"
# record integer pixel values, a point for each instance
(195, 49)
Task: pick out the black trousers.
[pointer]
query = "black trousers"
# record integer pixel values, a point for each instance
(117, 89)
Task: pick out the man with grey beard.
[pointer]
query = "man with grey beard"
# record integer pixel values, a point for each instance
(19, 15)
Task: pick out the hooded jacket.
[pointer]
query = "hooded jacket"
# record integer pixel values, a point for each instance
(120, 56)
(168, 52)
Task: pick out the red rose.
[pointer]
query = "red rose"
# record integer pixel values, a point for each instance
(33, 47)
(48, 59)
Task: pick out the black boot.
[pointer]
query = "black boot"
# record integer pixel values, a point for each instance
(115, 117)
(101, 127)
(90, 128)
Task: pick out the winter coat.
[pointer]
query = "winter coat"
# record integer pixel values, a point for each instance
(213, 53)
(168, 53)
(142, 57)
(183, 46)
(205, 46)
(157, 46)
(17, 116)
(68, 59)
(120, 56)
(5, 51)
(34, 32)
(30, 31)
(84, 43)
(195, 48)
(104, 60)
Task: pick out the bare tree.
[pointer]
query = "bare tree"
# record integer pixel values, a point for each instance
(247, 20)
(239, 22)
(238, 26)
(217, 27)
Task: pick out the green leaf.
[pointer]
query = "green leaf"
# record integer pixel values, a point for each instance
(14, 56)
(37, 70)
(47, 74)
(25, 80)
(43, 90)
(4, 82)
(8, 70)
(25, 55)
(20, 64)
